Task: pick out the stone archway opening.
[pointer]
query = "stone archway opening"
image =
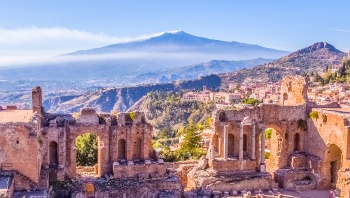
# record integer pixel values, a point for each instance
(273, 149)
(53, 154)
(87, 155)
(122, 150)
(334, 160)
(137, 149)
(231, 145)
(297, 142)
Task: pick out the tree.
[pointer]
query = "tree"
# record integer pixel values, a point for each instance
(86, 147)
(191, 147)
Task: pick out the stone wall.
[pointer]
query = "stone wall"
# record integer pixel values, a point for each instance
(120, 139)
(328, 138)
(20, 149)
(293, 90)
(145, 171)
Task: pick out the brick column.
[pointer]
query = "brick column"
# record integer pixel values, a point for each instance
(262, 157)
(240, 157)
(253, 141)
(225, 153)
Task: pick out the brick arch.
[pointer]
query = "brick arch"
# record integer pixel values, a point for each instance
(53, 153)
(103, 157)
(277, 146)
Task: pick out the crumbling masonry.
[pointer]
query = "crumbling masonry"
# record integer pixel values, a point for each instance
(299, 152)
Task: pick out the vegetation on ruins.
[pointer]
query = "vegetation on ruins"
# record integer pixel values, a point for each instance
(251, 101)
(132, 115)
(268, 133)
(86, 147)
(313, 115)
(169, 115)
(190, 147)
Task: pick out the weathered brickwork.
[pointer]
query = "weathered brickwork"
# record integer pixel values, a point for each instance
(303, 153)
(40, 147)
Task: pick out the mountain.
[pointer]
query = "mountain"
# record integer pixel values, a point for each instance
(314, 58)
(158, 59)
(182, 42)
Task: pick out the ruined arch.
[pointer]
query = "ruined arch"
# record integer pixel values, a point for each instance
(122, 149)
(53, 153)
(245, 143)
(102, 149)
(275, 151)
(297, 142)
(231, 145)
(137, 149)
(333, 162)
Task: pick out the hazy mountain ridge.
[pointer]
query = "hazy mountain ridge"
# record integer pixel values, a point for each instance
(198, 70)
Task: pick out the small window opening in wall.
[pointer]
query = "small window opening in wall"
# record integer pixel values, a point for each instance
(17, 141)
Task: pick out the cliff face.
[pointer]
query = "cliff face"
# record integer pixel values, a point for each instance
(121, 99)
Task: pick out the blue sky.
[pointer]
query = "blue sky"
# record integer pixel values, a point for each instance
(31, 29)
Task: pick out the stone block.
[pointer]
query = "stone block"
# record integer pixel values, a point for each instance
(147, 161)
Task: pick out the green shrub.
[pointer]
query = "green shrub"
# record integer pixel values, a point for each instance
(267, 155)
(86, 147)
(313, 115)
(132, 115)
(268, 133)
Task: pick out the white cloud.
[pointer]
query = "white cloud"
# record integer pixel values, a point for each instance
(34, 34)
(340, 30)
(28, 45)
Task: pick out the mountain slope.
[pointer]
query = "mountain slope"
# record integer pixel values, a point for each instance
(312, 58)
(121, 99)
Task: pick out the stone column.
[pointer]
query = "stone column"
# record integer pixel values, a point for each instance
(240, 157)
(253, 141)
(262, 162)
(212, 152)
(225, 153)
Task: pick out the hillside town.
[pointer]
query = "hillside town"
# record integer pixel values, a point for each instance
(271, 93)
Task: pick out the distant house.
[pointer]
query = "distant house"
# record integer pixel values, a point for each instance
(203, 96)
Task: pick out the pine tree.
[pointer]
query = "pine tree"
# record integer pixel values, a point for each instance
(86, 146)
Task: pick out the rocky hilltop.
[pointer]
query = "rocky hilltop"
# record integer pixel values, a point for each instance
(312, 58)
